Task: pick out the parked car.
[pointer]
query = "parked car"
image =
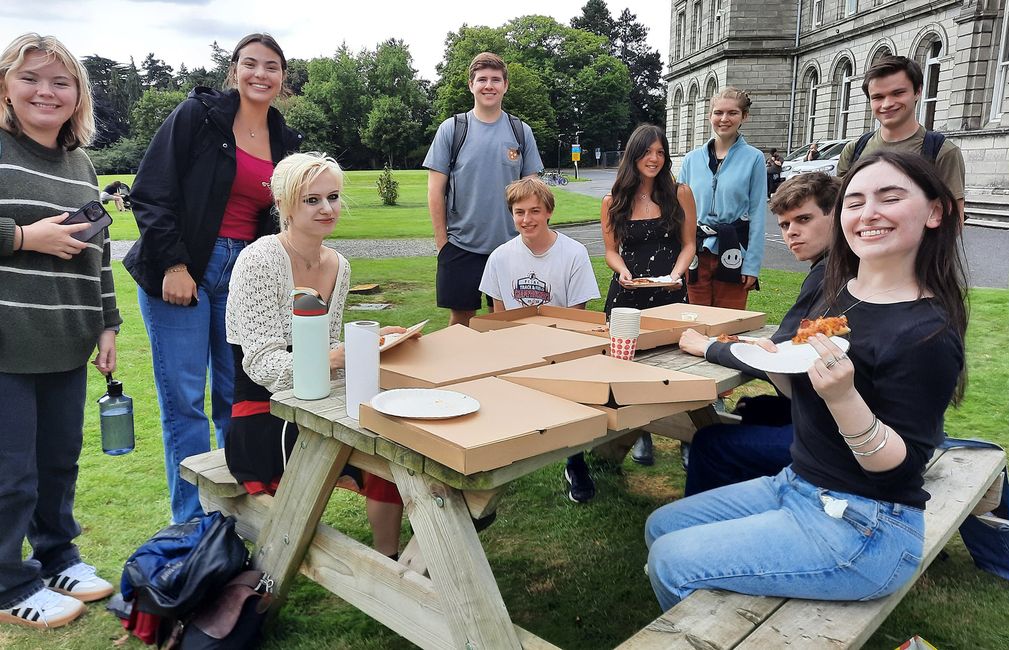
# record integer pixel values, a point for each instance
(830, 153)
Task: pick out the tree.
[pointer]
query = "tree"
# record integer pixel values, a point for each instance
(115, 89)
(157, 74)
(595, 18)
(337, 87)
(389, 73)
(151, 111)
(297, 75)
(647, 97)
(304, 116)
(389, 128)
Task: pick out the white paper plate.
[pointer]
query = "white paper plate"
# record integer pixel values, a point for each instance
(656, 282)
(790, 359)
(424, 403)
(392, 340)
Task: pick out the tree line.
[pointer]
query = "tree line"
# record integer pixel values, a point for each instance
(595, 77)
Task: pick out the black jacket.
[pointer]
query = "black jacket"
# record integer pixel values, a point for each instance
(184, 182)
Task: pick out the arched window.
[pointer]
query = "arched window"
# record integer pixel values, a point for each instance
(842, 111)
(811, 82)
(928, 55)
(710, 89)
(674, 121)
(691, 117)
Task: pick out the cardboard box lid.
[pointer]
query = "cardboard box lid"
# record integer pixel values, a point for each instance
(639, 415)
(550, 343)
(598, 380)
(730, 321)
(513, 423)
(450, 355)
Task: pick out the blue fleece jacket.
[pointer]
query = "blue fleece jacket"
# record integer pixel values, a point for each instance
(738, 190)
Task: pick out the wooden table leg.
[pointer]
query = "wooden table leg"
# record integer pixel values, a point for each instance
(301, 497)
(474, 609)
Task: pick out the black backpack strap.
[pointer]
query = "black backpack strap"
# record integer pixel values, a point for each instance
(459, 128)
(518, 131)
(933, 143)
(860, 146)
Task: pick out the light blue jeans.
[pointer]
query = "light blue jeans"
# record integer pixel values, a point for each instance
(773, 537)
(185, 343)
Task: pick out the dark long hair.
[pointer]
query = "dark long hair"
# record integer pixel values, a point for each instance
(628, 179)
(938, 265)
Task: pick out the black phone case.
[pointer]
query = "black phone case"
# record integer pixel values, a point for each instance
(91, 213)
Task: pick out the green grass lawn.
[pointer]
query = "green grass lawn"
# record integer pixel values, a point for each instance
(364, 216)
(569, 573)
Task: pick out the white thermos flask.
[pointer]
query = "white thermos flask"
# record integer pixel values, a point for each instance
(310, 340)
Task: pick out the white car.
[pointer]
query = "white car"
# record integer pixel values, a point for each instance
(830, 153)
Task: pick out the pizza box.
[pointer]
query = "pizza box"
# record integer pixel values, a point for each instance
(639, 415)
(449, 356)
(655, 332)
(513, 423)
(615, 382)
(710, 320)
(553, 344)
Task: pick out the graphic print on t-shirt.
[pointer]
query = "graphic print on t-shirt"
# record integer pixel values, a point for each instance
(531, 291)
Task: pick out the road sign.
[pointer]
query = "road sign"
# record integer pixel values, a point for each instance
(599, 153)
(576, 156)
(576, 148)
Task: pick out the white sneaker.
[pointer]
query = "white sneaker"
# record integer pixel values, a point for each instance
(42, 610)
(81, 582)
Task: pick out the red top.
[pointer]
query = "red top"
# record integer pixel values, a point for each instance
(250, 195)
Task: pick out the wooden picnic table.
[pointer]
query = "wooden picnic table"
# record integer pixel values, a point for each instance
(459, 605)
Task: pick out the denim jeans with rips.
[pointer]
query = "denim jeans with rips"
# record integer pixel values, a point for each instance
(782, 536)
(186, 341)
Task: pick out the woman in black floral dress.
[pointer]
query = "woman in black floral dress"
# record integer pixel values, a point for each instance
(649, 224)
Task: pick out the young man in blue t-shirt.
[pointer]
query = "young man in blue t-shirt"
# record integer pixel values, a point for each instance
(471, 219)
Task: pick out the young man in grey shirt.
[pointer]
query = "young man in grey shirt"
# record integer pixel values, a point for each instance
(472, 218)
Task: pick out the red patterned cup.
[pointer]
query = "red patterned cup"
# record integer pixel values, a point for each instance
(623, 348)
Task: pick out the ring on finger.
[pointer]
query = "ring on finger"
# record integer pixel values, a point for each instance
(830, 363)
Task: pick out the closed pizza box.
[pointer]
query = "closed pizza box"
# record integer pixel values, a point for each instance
(710, 320)
(615, 382)
(655, 332)
(639, 415)
(553, 344)
(513, 423)
(449, 356)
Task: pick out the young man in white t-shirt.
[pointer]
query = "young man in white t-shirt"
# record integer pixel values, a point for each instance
(541, 267)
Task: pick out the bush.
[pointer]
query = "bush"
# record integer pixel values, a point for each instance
(388, 187)
(122, 157)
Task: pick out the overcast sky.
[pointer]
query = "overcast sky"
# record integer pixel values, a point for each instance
(180, 31)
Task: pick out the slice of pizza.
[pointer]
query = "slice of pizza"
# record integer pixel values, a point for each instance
(727, 338)
(828, 326)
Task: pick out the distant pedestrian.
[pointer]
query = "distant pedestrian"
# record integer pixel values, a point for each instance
(814, 152)
(773, 164)
(465, 186)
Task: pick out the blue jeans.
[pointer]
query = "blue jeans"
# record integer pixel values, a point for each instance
(185, 342)
(772, 536)
(722, 454)
(40, 443)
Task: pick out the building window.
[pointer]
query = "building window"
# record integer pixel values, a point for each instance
(719, 15)
(681, 19)
(691, 117)
(674, 122)
(930, 85)
(850, 7)
(710, 89)
(817, 13)
(711, 21)
(695, 32)
(811, 106)
(843, 81)
(1001, 70)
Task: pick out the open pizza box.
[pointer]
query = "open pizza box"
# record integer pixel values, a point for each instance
(655, 332)
(513, 423)
(630, 393)
(458, 353)
(710, 320)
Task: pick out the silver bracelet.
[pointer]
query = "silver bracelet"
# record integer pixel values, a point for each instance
(886, 436)
(874, 422)
(875, 432)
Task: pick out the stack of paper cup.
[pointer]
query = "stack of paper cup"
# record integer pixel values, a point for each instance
(625, 325)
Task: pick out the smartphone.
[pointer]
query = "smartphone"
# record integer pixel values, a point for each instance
(93, 214)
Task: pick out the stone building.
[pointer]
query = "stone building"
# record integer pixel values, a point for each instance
(802, 62)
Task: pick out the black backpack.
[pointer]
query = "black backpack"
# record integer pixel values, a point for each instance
(929, 149)
(459, 129)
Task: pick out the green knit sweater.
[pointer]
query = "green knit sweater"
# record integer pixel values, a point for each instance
(52, 311)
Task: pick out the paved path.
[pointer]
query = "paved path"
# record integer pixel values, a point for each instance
(987, 249)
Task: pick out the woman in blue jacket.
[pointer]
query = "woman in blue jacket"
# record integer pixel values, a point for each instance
(201, 194)
(729, 182)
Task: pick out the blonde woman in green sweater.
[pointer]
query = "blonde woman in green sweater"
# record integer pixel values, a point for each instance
(57, 304)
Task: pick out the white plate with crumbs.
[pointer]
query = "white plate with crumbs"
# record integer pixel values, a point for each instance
(424, 403)
(790, 359)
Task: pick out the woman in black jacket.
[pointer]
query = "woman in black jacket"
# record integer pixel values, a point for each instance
(201, 194)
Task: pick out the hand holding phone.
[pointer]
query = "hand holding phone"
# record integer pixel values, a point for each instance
(93, 214)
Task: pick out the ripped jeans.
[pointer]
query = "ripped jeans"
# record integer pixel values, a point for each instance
(773, 536)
